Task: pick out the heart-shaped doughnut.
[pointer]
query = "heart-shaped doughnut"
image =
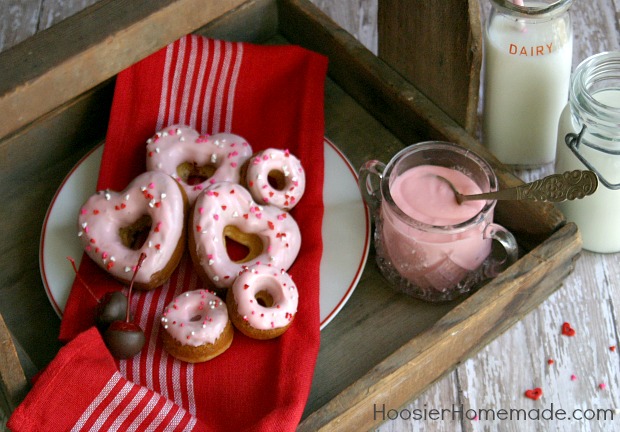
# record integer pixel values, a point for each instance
(147, 217)
(197, 161)
(225, 213)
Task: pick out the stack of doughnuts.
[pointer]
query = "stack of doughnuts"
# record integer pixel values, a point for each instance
(230, 208)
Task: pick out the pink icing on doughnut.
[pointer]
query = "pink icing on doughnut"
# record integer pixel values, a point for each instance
(176, 145)
(280, 288)
(290, 171)
(228, 204)
(195, 318)
(106, 213)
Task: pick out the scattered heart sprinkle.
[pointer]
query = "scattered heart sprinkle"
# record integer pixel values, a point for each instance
(567, 330)
(534, 394)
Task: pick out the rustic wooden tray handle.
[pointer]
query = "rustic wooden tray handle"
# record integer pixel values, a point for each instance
(13, 383)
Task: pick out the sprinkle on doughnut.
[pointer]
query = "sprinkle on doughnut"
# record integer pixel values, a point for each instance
(276, 177)
(263, 301)
(193, 332)
(260, 231)
(124, 225)
(197, 161)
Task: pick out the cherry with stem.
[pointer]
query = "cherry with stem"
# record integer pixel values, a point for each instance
(111, 307)
(125, 338)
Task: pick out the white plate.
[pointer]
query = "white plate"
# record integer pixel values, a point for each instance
(346, 232)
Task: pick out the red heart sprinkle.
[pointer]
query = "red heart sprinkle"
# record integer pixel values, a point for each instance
(534, 394)
(550, 361)
(612, 348)
(567, 330)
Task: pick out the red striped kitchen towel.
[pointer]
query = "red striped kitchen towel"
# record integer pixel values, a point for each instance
(273, 97)
(82, 390)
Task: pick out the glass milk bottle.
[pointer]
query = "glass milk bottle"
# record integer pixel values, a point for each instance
(528, 47)
(589, 137)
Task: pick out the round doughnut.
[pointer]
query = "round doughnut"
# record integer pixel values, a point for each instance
(197, 161)
(225, 214)
(148, 216)
(262, 302)
(196, 327)
(275, 177)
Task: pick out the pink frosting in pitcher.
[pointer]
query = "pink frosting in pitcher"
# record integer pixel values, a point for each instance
(432, 258)
(424, 197)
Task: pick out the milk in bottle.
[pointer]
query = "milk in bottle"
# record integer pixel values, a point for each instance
(528, 55)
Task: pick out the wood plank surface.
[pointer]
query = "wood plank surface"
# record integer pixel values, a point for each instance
(49, 76)
(497, 377)
(446, 64)
(13, 384)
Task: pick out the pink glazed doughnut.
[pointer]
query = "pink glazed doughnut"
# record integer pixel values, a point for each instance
(197, 161)
(262, 302)
(275, 177)
(148, 216)
(225, 212)
(196, 327)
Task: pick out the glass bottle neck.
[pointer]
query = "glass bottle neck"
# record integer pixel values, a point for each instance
(594, 96)
(532, 10)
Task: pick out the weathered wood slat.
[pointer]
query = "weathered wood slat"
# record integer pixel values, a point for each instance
(13, 384)
(54, 11)
(89, 47)
(18, 21)
(437, 46)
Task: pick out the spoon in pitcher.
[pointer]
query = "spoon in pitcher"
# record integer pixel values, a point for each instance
(569, 185)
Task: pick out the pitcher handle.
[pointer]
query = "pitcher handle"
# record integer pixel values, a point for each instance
(370, 176)
(495, 266)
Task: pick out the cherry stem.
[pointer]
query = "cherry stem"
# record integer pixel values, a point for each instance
(82, 281)
(135, 272)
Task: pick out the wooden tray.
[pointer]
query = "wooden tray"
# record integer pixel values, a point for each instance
(383, 347)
